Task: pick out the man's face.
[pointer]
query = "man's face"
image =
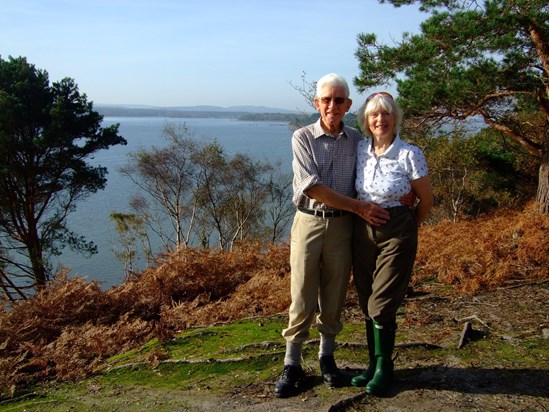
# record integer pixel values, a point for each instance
(332, 105)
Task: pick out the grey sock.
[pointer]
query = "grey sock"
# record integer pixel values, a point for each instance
(293, 353)
(327, 345)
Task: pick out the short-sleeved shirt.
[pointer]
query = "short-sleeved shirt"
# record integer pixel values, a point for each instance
(384, 179)
(319, 158)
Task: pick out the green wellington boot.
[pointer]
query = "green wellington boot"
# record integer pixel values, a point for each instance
(366, 376)
(384, 337)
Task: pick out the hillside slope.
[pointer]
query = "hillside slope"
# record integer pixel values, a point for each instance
(481, 269)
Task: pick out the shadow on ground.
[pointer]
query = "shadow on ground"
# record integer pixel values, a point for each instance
(472, 381)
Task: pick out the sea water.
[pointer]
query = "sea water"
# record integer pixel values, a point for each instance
(263, 141)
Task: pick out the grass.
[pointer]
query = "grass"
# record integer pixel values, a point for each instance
(215, 361)
(126, 345)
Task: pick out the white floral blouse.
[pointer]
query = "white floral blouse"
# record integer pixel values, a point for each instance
(386, 178)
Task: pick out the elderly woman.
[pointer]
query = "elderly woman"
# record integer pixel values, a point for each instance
(384, 254)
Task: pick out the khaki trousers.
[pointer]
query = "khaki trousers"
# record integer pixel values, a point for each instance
(383, 261)
(320, 259)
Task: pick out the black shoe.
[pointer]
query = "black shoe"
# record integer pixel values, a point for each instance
(286, 385)
(330, 372)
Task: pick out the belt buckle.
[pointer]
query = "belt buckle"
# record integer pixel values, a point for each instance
(319, 213)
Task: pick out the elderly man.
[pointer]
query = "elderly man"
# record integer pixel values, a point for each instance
(324, 159)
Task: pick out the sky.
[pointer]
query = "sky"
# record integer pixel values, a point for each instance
(198, 52)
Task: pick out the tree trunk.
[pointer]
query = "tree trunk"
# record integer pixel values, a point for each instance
(38, 268)
(543, 181)
(34, 248)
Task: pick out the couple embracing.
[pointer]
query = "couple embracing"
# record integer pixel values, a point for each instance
(354, 199)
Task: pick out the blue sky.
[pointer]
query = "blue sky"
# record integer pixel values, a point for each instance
(192, 52)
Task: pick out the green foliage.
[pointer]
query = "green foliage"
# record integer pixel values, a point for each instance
(130, 228)
(207, 197)
(164, 177)
(47, 133)
(71, 328)
(464, 62)
(246, 357)
(477, 174)
(506, 166)
(472, 59)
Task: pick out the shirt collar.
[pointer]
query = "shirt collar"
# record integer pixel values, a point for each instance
(392, 151)
(318, 131)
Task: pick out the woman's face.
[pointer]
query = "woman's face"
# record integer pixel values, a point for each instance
(381, 123)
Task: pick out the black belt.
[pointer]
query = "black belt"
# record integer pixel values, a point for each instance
(323, 213)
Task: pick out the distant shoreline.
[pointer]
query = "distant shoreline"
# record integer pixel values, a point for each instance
(191, 113)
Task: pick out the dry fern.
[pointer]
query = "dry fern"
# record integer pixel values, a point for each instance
(71, 326)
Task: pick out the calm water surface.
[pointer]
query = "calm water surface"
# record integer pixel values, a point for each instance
(260, 140)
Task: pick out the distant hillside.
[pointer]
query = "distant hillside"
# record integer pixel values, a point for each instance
(245, 112)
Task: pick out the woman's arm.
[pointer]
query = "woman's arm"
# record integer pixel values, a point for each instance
(424, 192)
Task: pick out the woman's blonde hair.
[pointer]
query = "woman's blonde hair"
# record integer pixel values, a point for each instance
(379, 101)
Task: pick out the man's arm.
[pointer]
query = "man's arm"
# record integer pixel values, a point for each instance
(369, 211)
(409, 199)
(422, 187)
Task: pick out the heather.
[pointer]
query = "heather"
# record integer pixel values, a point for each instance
(71, 326)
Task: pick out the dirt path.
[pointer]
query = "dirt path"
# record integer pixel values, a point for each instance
(496, 381)
(502, 366)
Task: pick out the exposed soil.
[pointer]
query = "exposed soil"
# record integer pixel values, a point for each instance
(511, 314)
(494, 376)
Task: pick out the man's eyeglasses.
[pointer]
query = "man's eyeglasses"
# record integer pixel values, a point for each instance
(336, 100)
(370, 97)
